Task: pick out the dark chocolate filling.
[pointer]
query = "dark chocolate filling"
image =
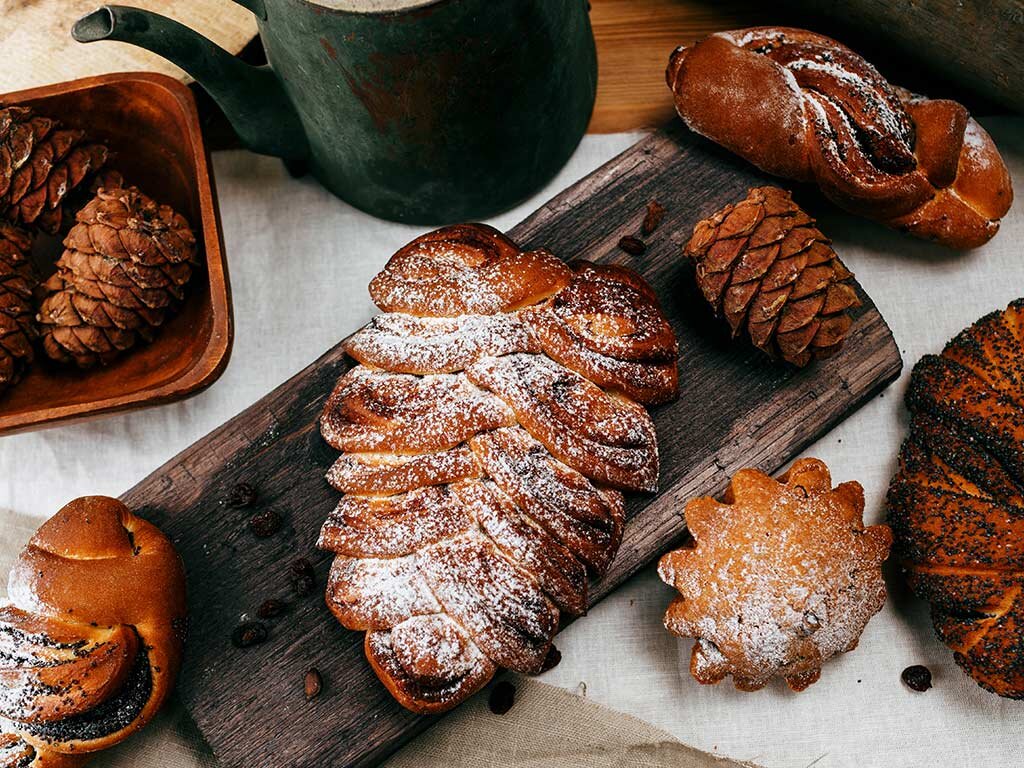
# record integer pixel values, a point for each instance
(108, 717)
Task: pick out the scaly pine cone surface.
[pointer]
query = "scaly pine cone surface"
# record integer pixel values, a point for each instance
(41, 163)
(765, 267)
(17, 322)
(124, 268)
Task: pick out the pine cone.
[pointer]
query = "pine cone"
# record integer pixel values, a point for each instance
(764, 265)
(124, 268)
(17, 326)
(41, 162)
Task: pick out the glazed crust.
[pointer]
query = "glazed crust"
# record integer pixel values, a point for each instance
(956, 502)
(803, 106)
(74, 624)
(494, 416)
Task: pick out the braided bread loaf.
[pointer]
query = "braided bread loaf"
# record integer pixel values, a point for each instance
(91, 641)
(492, 419)
(956, 503)
(805, 107)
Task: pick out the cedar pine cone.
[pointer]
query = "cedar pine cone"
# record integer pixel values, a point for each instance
(41, 162)
(764, 265)
(124, 267)
(17, 322)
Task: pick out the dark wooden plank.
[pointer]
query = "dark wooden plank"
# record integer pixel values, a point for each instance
(737, 409)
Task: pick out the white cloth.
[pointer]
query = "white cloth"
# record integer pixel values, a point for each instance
(300, 262)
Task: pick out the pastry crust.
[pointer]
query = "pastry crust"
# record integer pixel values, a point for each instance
(486, 434)
(782, 575)
(805, 107)
(91, 641)
(956, 502)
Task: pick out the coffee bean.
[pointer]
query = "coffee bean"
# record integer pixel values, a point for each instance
(313, 683)
(917, 677)
(503, 696)
(265, 524)
(248, 634)
(271, 609)
(242, 495)
(632, 245)
(652, 219)
(303, 578)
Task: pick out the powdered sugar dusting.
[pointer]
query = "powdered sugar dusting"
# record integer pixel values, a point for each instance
(779, 580)
(410, 344)
(461, 535)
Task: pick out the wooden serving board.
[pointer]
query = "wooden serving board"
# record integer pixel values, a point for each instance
(737, 409)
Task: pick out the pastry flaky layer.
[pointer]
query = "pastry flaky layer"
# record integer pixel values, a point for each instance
(956, 503)
(488, 431)
(805, 107)
(91, 641)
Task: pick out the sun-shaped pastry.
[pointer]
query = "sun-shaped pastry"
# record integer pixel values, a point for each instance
(780, 576)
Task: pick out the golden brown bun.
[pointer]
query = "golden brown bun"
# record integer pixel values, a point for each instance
(494, 416)
(92, 638)
(781, 576)
(956, 501)
(803, 106)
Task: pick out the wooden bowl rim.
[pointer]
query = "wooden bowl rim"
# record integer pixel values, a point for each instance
(209, 366)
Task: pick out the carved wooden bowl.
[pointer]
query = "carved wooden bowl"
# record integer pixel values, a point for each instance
(150, 123)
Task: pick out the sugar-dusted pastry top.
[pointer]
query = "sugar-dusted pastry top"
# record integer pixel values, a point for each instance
(956, 503)
(781, 576)
(91, 640)
(805, 107)
(487, 432)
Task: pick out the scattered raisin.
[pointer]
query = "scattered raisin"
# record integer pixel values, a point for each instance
(632, 245)
(248, 634)
(552, 659)
(652, 219)
(503, 696)
(917, 677)
(313, 683)
(303, 578)
(242, 495)
(271, 609)
(264, 524)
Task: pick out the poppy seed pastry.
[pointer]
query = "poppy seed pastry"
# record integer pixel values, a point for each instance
(494, 419)
(91, 640)
(956, 502)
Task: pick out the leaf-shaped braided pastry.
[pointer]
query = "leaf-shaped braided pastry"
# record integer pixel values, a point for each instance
(485, 437)
(956, 503)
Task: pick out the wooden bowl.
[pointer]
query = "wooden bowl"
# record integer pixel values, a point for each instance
(150, 123)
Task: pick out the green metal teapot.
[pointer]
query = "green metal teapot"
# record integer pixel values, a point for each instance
(421, 111)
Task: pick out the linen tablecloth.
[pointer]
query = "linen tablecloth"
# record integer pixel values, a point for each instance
(300, 261)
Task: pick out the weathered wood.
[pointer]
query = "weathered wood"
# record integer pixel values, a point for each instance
(737, 409)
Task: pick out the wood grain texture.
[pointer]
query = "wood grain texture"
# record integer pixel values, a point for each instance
(150, 123)
(634, 39)
(737, 409)
(968, 50)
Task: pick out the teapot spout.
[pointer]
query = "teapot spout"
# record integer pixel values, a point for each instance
(252, 97)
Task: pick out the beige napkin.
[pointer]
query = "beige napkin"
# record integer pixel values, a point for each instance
(36, 47)
(547, 727)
